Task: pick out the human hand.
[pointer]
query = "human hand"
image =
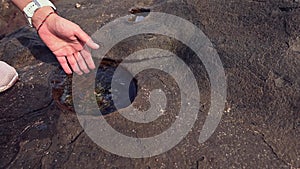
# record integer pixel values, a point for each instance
(67, 42)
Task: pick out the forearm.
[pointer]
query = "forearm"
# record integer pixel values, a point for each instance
(38, 16)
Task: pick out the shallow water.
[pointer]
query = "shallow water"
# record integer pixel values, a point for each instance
(62, 88)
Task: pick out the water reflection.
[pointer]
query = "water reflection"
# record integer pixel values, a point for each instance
(62, 88)
(138, 14)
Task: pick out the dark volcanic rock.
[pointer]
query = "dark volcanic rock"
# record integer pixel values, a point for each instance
(258, 43)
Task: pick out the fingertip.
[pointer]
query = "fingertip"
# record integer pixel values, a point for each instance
(79, 73)
(92, 44)
(68, 72)
(96, 45)
(86, 71)
(92, 66)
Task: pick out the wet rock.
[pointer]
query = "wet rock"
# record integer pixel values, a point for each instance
(260, 131)
(62, 89)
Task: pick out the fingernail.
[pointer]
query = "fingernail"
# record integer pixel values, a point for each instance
(92, 66)
(86, 71)
(96, 45)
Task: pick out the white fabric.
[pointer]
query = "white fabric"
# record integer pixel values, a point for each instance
(8, 76)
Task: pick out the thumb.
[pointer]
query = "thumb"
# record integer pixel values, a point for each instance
(90, 43)
(85, 38)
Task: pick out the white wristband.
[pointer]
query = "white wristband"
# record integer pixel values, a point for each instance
(30, 9)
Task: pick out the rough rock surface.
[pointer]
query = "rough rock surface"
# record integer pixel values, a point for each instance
(258, 43)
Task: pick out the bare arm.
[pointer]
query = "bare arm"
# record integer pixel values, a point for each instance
(64, 38)
(38, 16)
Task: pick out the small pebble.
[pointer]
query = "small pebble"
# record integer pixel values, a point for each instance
(279, 82)
(77, 5)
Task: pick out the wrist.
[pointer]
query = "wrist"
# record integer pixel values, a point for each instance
(40, 15)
